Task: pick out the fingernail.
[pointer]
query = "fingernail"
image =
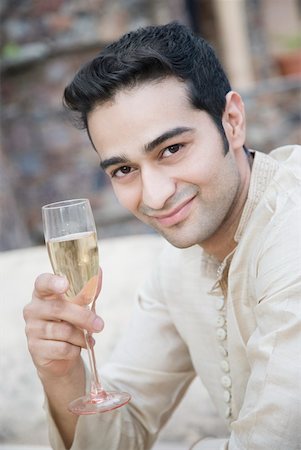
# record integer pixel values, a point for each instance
(60, 284)
(98, 324)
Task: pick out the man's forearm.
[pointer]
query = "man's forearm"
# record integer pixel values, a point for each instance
(60, 391)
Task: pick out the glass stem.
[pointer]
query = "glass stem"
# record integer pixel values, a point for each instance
(96, 387)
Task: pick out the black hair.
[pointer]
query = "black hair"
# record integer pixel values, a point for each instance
(152, 53)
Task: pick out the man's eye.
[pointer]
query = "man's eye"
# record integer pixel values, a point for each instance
(121, 171)
(171, 150)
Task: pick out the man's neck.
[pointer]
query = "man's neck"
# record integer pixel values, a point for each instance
(222, 243)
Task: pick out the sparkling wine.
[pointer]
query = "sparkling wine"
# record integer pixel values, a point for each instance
(76, 257)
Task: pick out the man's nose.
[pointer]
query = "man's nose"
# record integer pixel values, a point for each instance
(157, 188)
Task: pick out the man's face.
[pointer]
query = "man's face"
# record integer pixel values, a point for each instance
(166, 161)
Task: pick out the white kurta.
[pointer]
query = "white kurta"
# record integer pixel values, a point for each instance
(237, 326)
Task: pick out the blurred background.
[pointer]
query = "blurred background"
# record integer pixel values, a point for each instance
(43, 42)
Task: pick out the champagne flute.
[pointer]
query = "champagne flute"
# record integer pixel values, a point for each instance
(70, 236)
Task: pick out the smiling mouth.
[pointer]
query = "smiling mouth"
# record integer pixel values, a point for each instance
(177, 215)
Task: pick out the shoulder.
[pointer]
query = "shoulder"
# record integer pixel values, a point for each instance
(289, 164)
(277, 217)
(287, 154)
(283, 192)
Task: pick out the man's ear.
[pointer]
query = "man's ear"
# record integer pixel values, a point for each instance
(234, 121)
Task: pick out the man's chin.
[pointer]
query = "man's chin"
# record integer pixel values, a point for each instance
(175, 235)
(178, 242)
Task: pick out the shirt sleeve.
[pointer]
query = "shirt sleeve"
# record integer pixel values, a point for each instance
(271, 413)
(211, 444)
(152, 363)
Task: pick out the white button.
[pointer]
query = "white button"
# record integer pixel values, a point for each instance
(226, 381)
(220, 321)
(223, 350)
(227, 412)
(225, 366)
(219, 303)
(221, 334)
(227, 396)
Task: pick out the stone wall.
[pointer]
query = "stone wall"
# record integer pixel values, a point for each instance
(43, 158)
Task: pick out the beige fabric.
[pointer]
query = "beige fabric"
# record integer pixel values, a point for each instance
(175, 333)
(211, 444)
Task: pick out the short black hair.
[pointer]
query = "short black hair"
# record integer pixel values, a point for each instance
(151, 53)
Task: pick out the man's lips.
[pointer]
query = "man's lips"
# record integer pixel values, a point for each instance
(177, 215)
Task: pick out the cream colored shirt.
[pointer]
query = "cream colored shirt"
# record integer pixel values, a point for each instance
(237, 326)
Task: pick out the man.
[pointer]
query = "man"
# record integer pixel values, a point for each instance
(223, 301)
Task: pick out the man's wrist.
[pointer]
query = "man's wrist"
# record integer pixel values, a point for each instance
(75, 373)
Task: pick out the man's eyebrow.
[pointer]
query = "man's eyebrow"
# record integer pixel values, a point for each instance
(147, 148)
(165, 136)
(113, 161)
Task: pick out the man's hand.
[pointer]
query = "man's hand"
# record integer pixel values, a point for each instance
(54, 326)
(54, 329)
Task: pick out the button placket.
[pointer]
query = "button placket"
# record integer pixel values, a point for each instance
(223, 351)
(220, 321)
(221, 334)
(226, 381)
(225, 366)
(228, 412)
(227, 396)
(219, 303)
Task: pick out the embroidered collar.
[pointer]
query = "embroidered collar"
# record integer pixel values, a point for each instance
(263, 170)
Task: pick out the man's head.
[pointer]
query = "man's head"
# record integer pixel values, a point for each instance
(169, 132)
(152, 53)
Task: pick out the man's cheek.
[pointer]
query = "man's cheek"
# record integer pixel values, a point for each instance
(125, 199)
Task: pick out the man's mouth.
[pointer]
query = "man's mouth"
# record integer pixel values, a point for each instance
(176, 215)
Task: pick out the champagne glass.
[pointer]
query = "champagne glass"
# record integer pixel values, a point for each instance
(70, 236)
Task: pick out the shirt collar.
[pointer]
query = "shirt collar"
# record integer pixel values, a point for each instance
(263, 170)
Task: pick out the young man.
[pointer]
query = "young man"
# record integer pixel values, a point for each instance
(223, 301)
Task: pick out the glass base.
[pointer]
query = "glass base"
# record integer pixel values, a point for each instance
(106, 401)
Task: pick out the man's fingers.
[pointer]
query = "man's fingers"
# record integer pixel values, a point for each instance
(99, 282)
(78, 316)
(63, 310)
(56, 331)
(90, 291)
(48, 284)
(53, 350)
(49, 304)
